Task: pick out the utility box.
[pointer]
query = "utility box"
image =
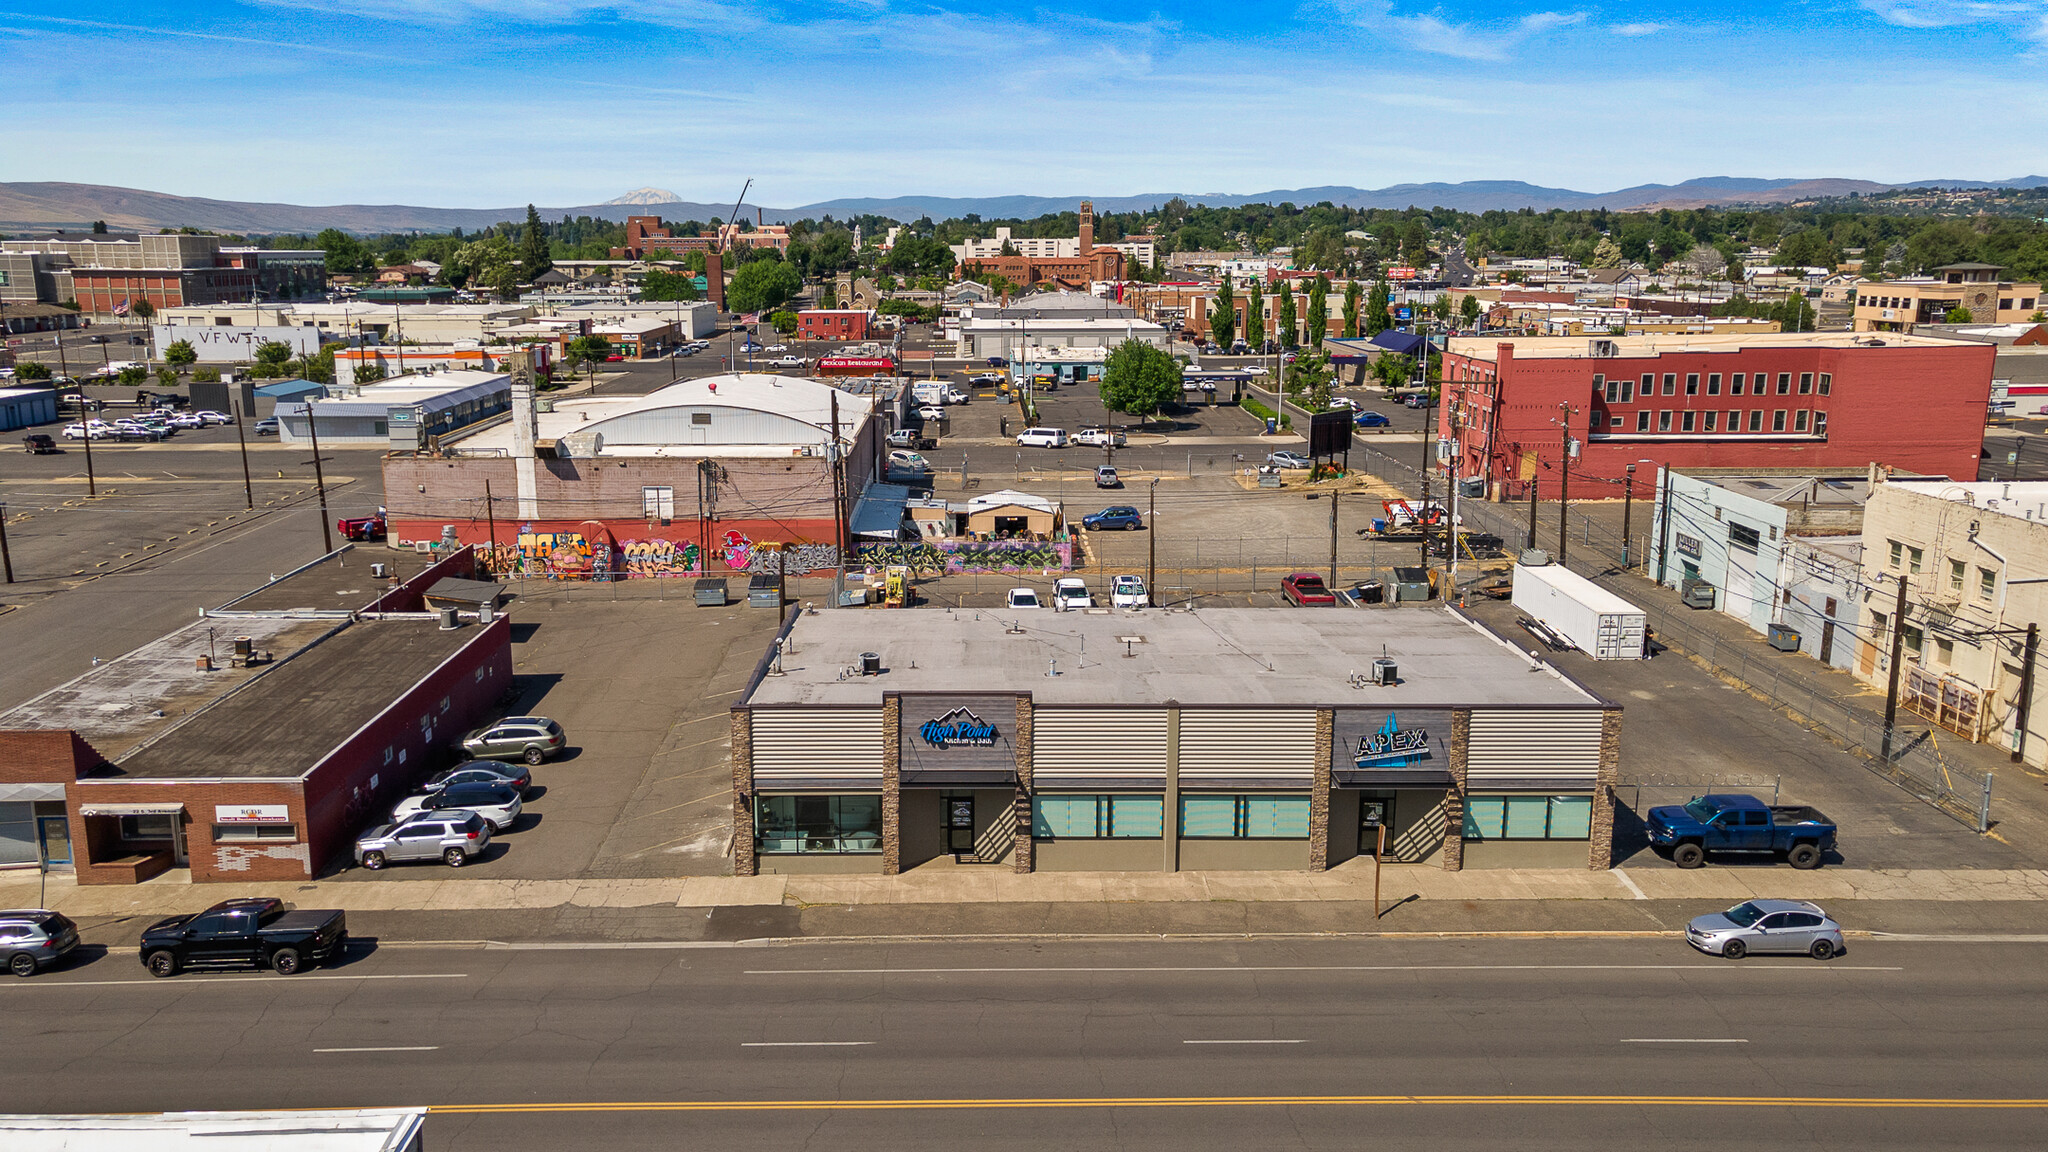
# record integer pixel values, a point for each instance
(1596, 621)
(1411, 584)
(710, 592)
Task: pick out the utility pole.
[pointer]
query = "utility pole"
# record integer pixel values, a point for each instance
(1152, 541)
(92, 487)
(2019, 723)
(242, 438)
(1628, 503)
(1564, 477)
(1333, 543)
(838, 485)
(1532, 513)
(319, 481)
(1891, 692)
(1422, 507)
(1663, 521)
(490, 519)
(7, 557)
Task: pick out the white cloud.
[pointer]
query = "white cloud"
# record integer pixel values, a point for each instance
(1638, 29)
(1430, 32)
(2028, 18)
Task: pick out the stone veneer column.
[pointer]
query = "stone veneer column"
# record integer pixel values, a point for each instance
(1021, 744)
(1600, 851)
(1454, 800)
(1169, 832)
(892, 786)
(743, 861)
(1319, 797)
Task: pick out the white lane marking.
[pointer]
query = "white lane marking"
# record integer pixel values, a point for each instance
(1325, 968)
(416, 1048)
(25, 985)
(1629, 884)
(1244, 1041)
(808, 1044)
(1681, 1040)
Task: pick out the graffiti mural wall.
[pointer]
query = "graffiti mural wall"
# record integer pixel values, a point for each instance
(954, 557)
(593, 554)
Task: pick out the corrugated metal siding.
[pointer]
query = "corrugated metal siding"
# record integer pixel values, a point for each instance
(1234, 743)
(812, 742)
(1552, 744)
(1079, 744)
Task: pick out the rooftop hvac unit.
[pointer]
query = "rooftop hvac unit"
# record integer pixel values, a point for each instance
(1603, 348)
(1386, 672)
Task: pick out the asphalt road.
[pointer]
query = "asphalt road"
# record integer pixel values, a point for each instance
(1478, 1043)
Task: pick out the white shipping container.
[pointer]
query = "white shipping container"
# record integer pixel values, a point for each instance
(1601, 624)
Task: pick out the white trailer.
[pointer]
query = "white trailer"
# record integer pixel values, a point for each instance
(1596, 621)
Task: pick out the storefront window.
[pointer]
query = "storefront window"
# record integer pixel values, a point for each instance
(1098, 817)
(148, 827)
(1253, 817)
(818, 823)
(1528, 817)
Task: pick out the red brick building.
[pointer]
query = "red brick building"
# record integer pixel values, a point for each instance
(648, 236)
(1784, 400)
(1078, 271)
(833, 323)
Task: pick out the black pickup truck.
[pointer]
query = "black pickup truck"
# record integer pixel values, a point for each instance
(244, 933)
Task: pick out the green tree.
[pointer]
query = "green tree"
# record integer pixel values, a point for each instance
(273, 352)
(1468, 310)
(1138, 379)
(1607, 254)
(99, 227)
(1289, 320)
(1223, 316)
(533, 253)
(180, 352)
(167, 376)
(660, 285)
(587, 352)
(1958, 316)
(1379, 310)
(32, 370)
(345, 253)
(1255, 317)
(1352, 299)
(1318, 311)
(368, 373)
(784, 322)
(1441, 307)
(132, 376)
(206, 375)
(142, 310)
(761, 285)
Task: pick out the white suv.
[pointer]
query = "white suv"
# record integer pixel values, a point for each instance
(1128, 592)
(1071, 592)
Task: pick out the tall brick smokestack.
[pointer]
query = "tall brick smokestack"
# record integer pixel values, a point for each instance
(714, 277)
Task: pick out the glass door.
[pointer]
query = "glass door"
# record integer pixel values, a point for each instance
(55, 833)
(960, 825)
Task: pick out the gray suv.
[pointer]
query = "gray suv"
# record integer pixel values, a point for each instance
(529, 738)
(32, 939)
(451, 837)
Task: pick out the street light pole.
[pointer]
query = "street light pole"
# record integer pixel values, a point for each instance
(1628, 501)
(319, 481)
(1152, 541)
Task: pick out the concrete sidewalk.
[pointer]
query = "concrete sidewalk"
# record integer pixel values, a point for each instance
(966, 886)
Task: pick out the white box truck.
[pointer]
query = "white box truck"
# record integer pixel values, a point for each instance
(1599, 623)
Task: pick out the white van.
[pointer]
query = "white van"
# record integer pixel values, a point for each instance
(1042, 438)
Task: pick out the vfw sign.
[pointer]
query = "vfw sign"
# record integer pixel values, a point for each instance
(225, 344)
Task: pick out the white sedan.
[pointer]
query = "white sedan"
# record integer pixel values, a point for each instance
(1256, 370)
(776, 348)
(1023, 598)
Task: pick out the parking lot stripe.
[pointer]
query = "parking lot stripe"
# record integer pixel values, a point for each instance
(1714, 967)
(409, 1048)
(1682, 1040)
(207, 981)
(808, 1044)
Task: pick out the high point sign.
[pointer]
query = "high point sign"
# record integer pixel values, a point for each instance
(958, 728)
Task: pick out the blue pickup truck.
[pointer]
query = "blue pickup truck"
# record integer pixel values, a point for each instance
(1735, 823)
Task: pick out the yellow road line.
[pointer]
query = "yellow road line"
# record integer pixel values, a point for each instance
(1937, 1103)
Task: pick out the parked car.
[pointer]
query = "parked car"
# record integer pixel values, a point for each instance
(789, 361)
(1286, 459)
(1766, 926)
(776, 348)
(505, 772)
(998, 362)
(186, 420)
(1042, 438)
(32, 939)
(955, 396)
(1306, 590)
(1069, 593)
(209, 417)
(905, 438)
(1127, 592)
(1113, 518)
(265, 427)
(498, 804)
(453, 838)
(987, 378)
(1023, 598)
(1098, 437)
(932, 414)
(38, 443)
(904, 460)
(1256, 370)
(1736, 823)
(1416, 401)
(1371, 420)
(1106, 477)
(260, 932)
(360, 527)
(97, 429)
(529, 738)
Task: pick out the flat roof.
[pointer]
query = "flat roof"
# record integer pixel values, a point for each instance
(800, 398)
(1657, 344)
(1296, 657)
(2027, 499)
(299, 709)
(337, 582)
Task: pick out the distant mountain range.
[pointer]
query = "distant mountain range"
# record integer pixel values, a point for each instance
(42, 206)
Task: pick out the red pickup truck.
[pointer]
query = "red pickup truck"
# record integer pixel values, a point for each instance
(360, 527)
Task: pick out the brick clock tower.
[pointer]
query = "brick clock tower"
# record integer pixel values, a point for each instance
(1087, 227)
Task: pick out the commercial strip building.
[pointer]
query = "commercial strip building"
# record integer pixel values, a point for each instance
(1164, 741)
(256, 742)
(362, 322)
(405, 414)
(107, 273)
(1972, 557)
(736, 473)
(1813, 400)
(26, 406)
(1905, 305)
(833, 323)
(1021, 338)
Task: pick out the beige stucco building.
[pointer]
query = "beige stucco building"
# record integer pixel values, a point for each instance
(1903, 305)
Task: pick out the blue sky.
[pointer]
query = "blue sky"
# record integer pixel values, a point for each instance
(487, 103)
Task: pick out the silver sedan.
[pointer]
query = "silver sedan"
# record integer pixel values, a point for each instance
(1766, 926)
